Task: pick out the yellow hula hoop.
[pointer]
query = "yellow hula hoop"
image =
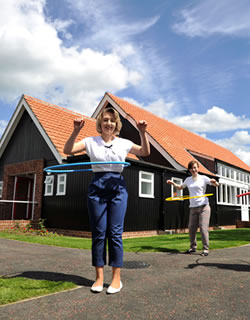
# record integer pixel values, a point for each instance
(188, 197)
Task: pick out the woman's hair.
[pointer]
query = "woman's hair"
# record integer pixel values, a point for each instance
(116, 116)
(191, 163)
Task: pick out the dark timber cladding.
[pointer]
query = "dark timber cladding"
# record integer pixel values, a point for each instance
(26, 144)
(71, 212)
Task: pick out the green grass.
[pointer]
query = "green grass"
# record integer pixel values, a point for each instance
(60, 241)
(19, 288)
(162, 243)
(180, 242)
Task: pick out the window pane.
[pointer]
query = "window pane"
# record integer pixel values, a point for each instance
(237, 176)
(233, 195)
(146, 176)
(223, 171)
(146, 188)
(61, 178)
(229, 195)
(238, 199)
(232, 174)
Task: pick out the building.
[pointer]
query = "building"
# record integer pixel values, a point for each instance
(35, 137)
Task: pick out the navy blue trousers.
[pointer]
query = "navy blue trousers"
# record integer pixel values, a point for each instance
(107, 204)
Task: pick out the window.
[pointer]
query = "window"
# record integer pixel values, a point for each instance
(146, 184)
(1, 189)
(237, 176)
(232, 175)
(61, 185)
(174, 191)
(49, 185)
(223, 169)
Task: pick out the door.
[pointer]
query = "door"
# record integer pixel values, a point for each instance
(23, 192)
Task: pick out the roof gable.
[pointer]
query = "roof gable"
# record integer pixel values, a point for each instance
(177, 142)
(54, 123)
(57, 122)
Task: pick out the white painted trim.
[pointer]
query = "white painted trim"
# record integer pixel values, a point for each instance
(64, 183)
(46, 193)
(14, 195)
(180, 182)
(233, 183)
(142, 195)
(33, 197)
(28, 195)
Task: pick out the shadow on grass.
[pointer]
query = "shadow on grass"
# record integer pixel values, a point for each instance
(55, 276)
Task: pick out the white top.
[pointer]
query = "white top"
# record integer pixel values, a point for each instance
(197, 188)
(116, 150)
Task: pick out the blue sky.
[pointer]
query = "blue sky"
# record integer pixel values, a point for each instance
(185, 60)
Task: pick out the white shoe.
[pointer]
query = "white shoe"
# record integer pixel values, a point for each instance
(96, 289)
(112, 290)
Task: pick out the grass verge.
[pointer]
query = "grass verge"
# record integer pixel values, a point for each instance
(163, 243)
(19, 288)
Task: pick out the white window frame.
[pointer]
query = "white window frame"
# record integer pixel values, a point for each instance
(226, 195)
(230, 185)
(61, 181)
(49, 185)
(179, 192)
(1, 189)
(143, 180)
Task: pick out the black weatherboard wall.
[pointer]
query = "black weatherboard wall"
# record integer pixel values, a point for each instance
(69, 211)
(26, 144)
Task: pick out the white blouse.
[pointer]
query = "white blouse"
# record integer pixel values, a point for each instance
(98, 150)
(197, 188)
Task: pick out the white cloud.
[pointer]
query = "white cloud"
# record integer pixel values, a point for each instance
(34, 60)
(239, 144)
(158, 107)
(227, 17)
(214, 120)
(106, 27)
(61, 26)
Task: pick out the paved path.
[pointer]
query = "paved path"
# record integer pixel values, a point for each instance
(174, 285)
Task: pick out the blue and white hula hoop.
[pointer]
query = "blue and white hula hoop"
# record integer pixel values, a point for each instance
(57, 168)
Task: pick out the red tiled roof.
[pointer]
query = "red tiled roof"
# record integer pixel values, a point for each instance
(57, 122)
(177, 141)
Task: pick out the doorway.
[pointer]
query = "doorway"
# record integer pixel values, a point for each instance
(23, 191)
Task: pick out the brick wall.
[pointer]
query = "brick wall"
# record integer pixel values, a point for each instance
(9, 224)
(242, 224)
(28, 167)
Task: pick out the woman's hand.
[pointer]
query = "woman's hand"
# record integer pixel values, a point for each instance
(78, 124)
(142, 126)
(169, 182)
(214, 183)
